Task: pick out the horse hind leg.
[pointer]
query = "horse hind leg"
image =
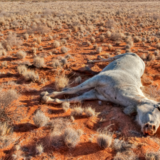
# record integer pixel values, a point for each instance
(90, 95)
(88, 84)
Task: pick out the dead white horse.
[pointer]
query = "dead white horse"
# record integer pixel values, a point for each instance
(120, 83)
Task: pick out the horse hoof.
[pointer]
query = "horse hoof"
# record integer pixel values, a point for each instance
(44, 93)
(45, 99)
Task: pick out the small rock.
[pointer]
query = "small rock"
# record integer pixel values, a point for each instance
(100, 103)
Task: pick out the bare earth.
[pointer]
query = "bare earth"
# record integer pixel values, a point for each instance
(81, 27)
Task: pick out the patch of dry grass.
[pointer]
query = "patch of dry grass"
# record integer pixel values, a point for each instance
(6, 100)
(5, 129)
(65, 106)
(61, 82)
(39, 149)
(30, 75)
(152, 156)
(56, 63)
(21, 69)
(120, 145)
(38, 62)
(71, 137)
(21, 54)
(77, 111)
(104, 141)
(40, 119)
(89, 111)
(56, 44)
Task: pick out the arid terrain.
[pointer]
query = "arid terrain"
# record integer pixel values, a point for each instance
(45, 46)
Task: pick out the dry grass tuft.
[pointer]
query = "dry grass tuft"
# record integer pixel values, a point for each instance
(21, 54)
(38, 62)
(31, 76)
(89, 111)
(57, 127)
(6, 100)
(80, 132)
(59, 124)
(110, 47)
(152, 156)
(64, 62)
(93, 39)
(17, 147)
(104, 141)
(71, 137)
(120, 145)
(26, 36)
(12, 40)
(3, 52)
(56, 64)
(64, 50)
(126, 155)
(72, 118)
(65, 106)
(40, 119)
(21, 69)
(4, 64)
(56, 44)
(5, 129)
(61, 82)
(108, 34)
(54, 139)
(77, 111)
(39, 149)
(99, 50)
(151, 57)
(39, 40)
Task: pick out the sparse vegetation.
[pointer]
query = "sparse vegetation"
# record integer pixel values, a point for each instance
(61, 82)
(64, 50)
(50, 42)
(89, 111)
(6, 100)
(71, 137)
(17, 147)
(56, 44)
(12, 40)
(152, 156)
(56, 63)
(21, 54)
(93, 39)
(77, 111)
(110, 47)
(38, 62)
(4, 64)
(65, 106)
(30, 75)
(5, 129)
(120, 145)
(104, 141)
(64, 62)
(39, 149)
(39, 40)
(21, 69)
(40, 119)
(99, 50)
(59, 124)
(129, 154)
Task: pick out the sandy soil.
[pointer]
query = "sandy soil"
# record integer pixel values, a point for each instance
(66, 17)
